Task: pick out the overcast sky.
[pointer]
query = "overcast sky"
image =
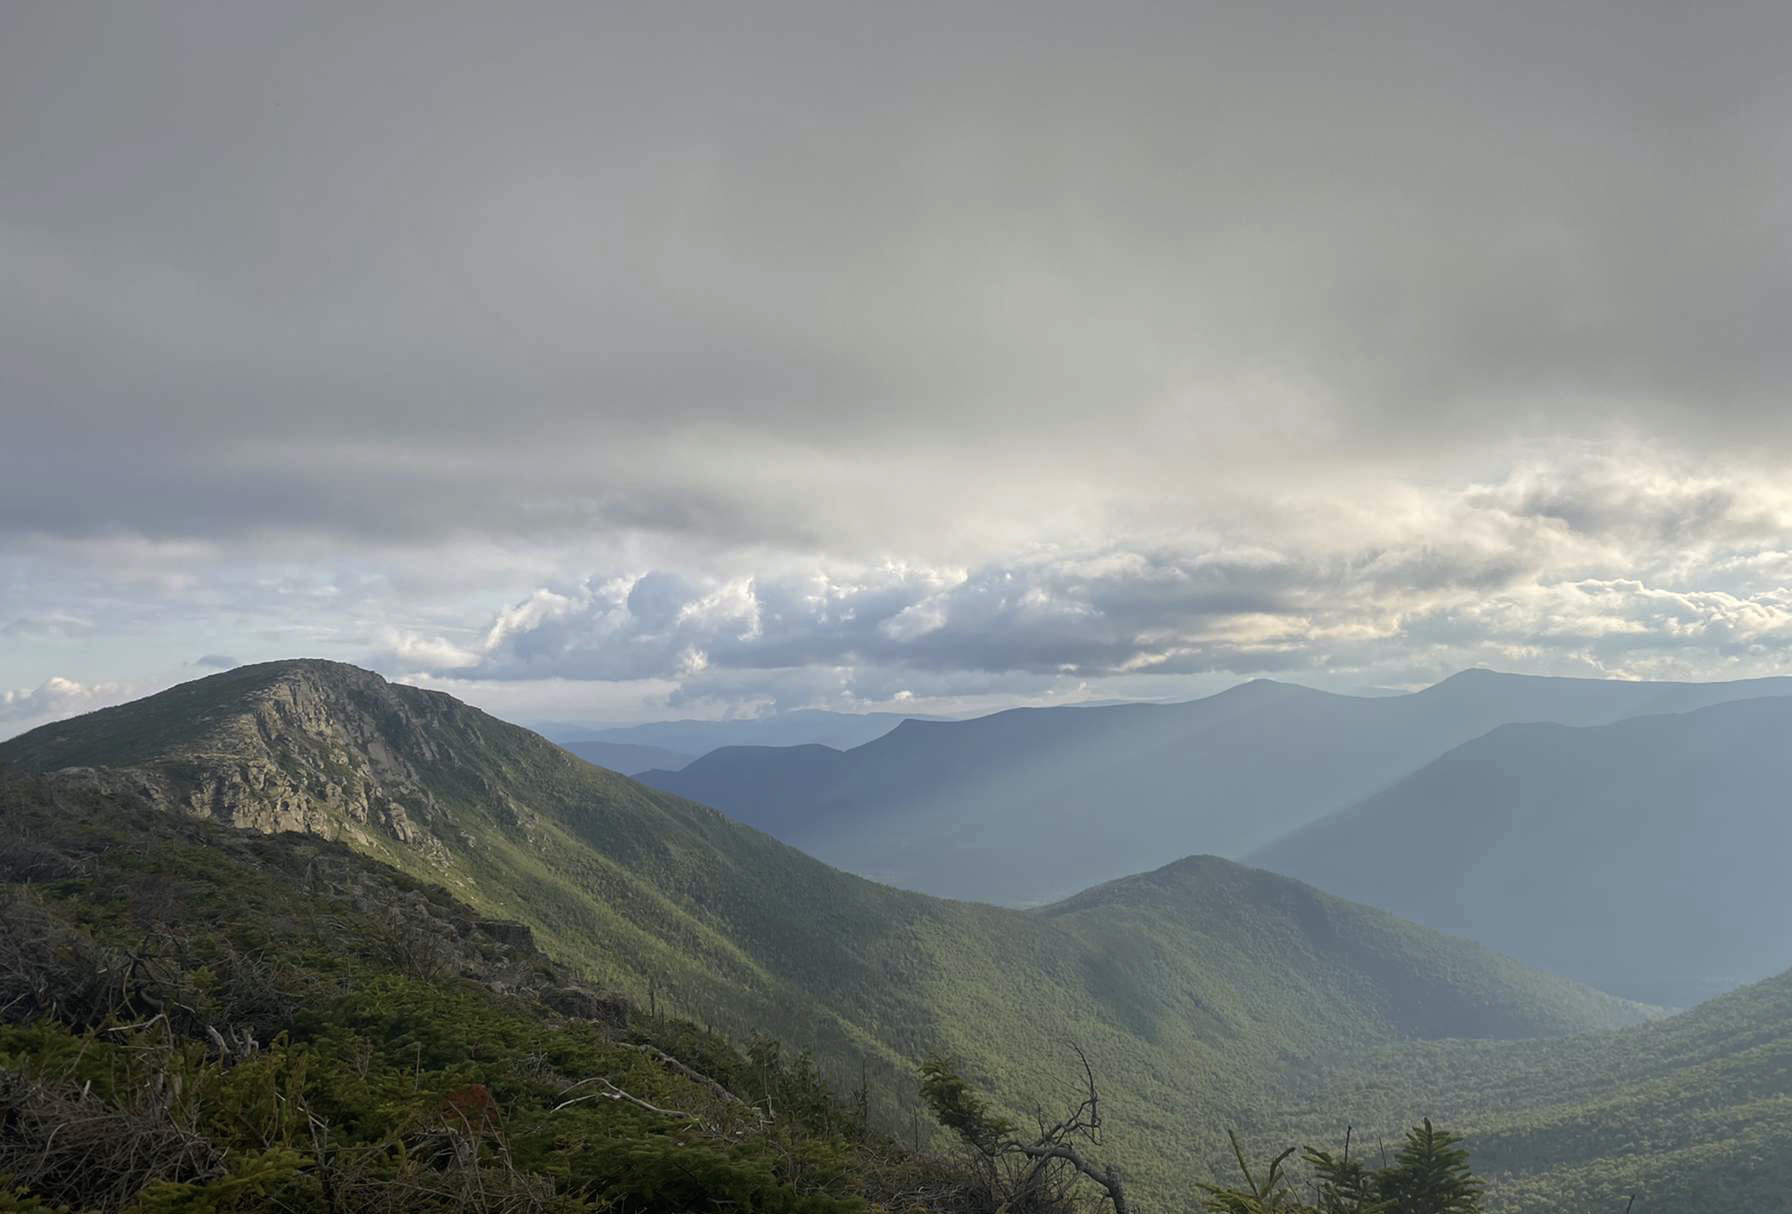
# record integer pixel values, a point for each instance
(630, 361)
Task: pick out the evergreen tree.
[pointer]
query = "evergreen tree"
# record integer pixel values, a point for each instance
(1342, 1184)
(1270, 1195)
(1430, 1175)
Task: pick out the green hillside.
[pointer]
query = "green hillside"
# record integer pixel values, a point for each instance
(1203, 993)
(201, 1020)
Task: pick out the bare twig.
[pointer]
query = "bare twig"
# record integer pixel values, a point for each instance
(612, 1092)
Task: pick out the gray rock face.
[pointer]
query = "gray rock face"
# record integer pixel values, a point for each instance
(255, 794)
(323, 749)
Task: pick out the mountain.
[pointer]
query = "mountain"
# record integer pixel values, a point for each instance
(628, 758)
(1645, 857)
(1031, 804)
(799, 727)
(1196, 988)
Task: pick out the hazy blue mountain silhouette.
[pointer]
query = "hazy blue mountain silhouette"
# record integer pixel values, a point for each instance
(799, 727)
(1647, 857)
(1031, 804)
(629, 758)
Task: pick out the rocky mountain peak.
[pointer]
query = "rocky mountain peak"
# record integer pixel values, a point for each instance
(306, 745)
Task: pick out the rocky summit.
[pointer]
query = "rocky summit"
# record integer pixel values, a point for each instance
(319, 747)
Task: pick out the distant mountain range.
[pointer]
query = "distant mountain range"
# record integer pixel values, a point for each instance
(627, 757)
(799, 727)
(1025, 806)
(1647, 857)
(1197, 987)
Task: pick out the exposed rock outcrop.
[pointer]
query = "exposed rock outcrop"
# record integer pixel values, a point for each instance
(309, 746)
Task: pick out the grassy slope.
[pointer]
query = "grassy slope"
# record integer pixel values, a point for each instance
(1201, 991)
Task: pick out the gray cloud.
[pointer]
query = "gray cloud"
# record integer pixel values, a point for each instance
(1089, 617)
(423, 273)
(40, 625)
(962, 348)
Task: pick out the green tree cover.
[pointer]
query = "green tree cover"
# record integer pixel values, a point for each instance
(199, 1020)
(1691, 1113)
(1429, 1175)
(1047, 1170)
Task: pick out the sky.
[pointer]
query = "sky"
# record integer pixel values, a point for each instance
(619, 362)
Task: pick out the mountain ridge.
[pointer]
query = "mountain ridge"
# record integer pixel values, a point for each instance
(662, 898)
(951, 807)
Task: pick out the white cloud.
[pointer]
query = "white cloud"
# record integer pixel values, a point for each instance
(1587, 564)
(428, 653)
(54, 699)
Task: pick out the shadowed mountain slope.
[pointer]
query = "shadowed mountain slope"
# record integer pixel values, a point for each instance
(1645, 857)
(1196, 989)
(1032, 804)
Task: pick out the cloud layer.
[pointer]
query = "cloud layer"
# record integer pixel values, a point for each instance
(1607, 567)
(993, 351)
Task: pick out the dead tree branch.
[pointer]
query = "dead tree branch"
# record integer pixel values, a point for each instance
(612, 1092)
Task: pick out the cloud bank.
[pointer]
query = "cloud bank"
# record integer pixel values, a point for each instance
(1605, 568)
(818, 351)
